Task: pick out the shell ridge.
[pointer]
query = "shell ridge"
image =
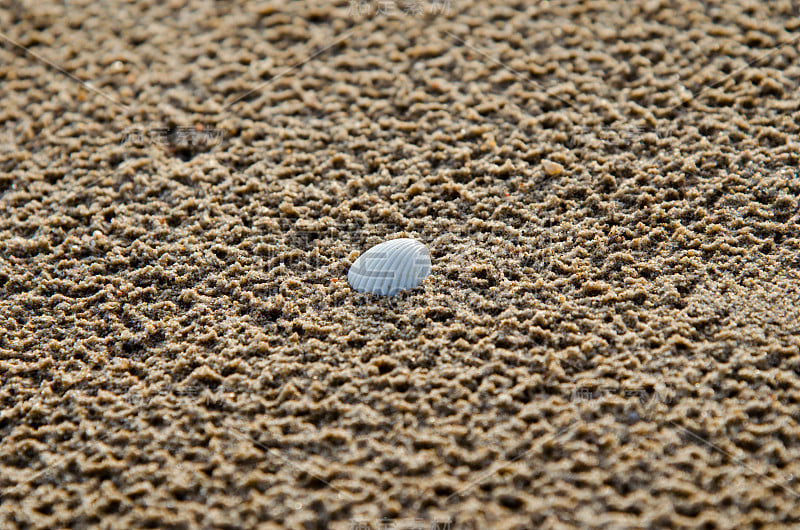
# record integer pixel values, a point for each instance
(377, 262)
(379, 276)
(399, 265)
(380, 255)
(359, 270)
(406, 273)
(421, 264)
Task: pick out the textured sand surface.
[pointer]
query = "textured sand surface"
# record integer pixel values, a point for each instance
(609, 337)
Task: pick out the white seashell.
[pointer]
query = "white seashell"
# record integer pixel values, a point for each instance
(390, 267)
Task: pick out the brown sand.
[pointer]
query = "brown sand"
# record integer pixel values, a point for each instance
(609, 337)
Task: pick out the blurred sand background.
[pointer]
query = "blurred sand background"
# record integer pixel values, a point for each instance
(610, 334)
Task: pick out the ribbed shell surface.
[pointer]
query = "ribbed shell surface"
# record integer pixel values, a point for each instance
(390, 267)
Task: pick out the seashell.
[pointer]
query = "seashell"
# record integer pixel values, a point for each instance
(390, 267)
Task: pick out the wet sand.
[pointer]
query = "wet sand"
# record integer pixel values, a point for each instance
(609, 337)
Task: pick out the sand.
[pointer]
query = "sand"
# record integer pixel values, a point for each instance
(609, 337)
